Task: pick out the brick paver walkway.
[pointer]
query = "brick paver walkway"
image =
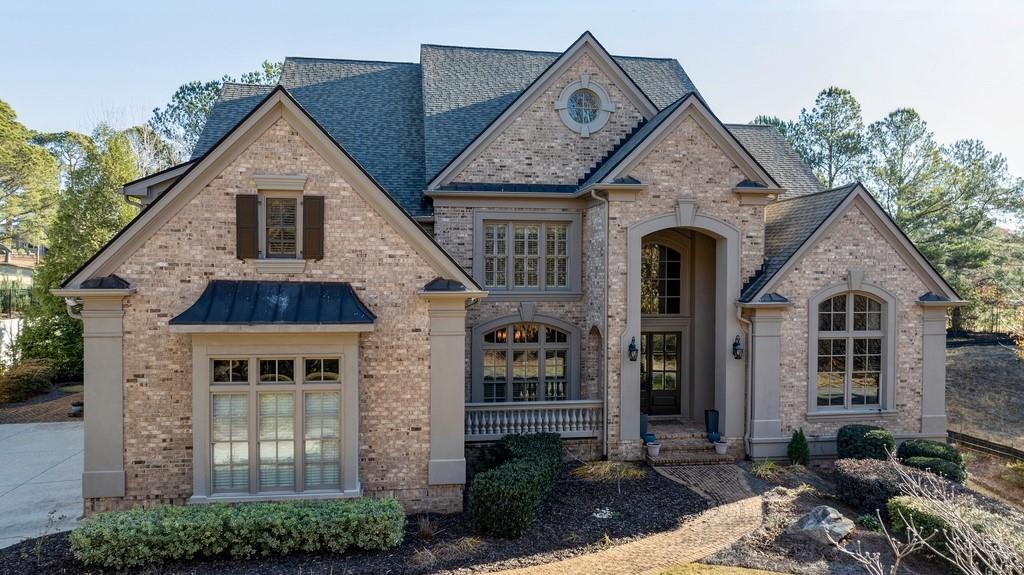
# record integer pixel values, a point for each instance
(694, 540)
(51, 407)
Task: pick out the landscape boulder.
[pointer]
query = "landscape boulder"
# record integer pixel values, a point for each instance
(822, 521)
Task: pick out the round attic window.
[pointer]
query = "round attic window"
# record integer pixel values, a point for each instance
(584, 106)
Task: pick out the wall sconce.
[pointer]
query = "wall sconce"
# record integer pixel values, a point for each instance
(634, 351)
(737, 348)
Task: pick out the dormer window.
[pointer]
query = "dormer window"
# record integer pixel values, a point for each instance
(584, 106)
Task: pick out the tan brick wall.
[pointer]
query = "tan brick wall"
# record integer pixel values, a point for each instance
(197, 245)
(537, 148)
(687, 163)
(852, 241)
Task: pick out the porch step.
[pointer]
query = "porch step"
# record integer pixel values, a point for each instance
(690, 458)
(692, 445)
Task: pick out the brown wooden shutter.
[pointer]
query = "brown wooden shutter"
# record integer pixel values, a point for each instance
(313, 227)
(247, 233)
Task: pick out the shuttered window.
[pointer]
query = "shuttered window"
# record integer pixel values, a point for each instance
(313, 227)
(279, 225)
(247, 232)
(282, 227)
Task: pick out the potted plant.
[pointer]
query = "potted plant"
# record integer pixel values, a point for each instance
(721, 447)
(653, 449)
(77, 408)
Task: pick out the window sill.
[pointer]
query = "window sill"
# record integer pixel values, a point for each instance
(508, 295)
(248, 498)
(850, 414)
(281, 266)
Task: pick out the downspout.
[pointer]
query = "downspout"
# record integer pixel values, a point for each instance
(748, 405)
(604, 318)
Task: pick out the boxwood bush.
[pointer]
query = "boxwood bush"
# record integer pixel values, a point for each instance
(504, 501)
(867, 484)
(175, 532)
(864, 442)
(938, 466)
(925, 448)
(27, 379)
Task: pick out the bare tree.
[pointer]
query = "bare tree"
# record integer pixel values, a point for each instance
(872, 561)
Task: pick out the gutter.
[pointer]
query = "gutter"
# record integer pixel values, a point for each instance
(604, 318)
(748, 380)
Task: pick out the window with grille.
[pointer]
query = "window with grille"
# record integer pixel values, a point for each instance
(532, 256)
(525, 362)
(275, 428)
(849, 346)
(661, 287)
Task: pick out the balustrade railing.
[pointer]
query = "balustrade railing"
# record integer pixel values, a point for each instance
(570, 419)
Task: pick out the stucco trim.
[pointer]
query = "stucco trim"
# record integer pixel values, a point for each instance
(291, 183)
(276, 106)
(890, 349)
(586, 44)
(822, 446)
(860, 199)
(572, 361)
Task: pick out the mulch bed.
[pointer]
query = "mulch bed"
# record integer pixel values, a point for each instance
(566, 528)
(49, 407)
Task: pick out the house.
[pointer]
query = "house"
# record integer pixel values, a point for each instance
(373, 265)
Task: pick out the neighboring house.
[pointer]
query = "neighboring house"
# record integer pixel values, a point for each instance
(373, 264)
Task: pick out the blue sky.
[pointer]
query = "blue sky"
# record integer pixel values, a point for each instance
(70, 64)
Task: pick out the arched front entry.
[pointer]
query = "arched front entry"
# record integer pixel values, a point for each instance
(726, 371)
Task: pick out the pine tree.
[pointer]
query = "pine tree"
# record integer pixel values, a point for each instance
(798, 451)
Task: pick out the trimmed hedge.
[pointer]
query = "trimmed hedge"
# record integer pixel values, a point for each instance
(25, 380)
(938, 466)
(867, 484)
(864, 442)
(505, 500)
(177, 532)
(926, 448)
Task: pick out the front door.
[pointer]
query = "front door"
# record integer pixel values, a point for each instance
(660, 370)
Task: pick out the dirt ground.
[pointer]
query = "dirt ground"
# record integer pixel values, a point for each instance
(989, 475)
(985, 393)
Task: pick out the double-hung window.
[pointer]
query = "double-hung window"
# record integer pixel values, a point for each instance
(275, 424)
(535, 256)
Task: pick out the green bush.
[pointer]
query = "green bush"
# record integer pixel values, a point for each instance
(504, 501)
(864, 442)
(172, 533)
(869, 522)
(798, 451)
(25, 380)
(938, 466)
(867, 484)
(926, 448)
(922, 512)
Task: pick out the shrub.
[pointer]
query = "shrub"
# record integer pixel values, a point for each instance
(505, 500)
(765, 469)
(940, 467)
(25, 380)
(609, 471)
(171, 533)
(867, 484)
(869, 522)
(928, 519)
(1015, 473)
(926, 448)
(797, 450)
(864, 442)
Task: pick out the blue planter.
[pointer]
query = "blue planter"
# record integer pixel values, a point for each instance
(710, 421)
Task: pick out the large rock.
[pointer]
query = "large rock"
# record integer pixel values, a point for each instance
(823, 521)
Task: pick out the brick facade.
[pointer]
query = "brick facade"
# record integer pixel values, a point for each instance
(173, 267)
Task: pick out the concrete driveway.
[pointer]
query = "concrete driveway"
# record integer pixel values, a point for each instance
(40, 479)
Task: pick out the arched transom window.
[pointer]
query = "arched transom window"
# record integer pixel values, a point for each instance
(525, 362)
(849, 346)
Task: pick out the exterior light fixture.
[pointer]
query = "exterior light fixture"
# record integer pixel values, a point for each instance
(634, 351)
(737, 348)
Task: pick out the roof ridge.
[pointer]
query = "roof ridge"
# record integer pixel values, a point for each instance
(352, 60)
(835, 189)
(233, 83)
(545, 52)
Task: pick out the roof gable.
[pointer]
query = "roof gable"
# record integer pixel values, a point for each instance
(275, 106)
(794, 225)
(586, 45)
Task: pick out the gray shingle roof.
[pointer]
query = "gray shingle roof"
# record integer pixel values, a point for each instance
(788, 224)
(778, 157)
(233, 104)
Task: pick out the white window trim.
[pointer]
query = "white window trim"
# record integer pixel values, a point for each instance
(206, 347)
(573, 239)
(572, 358)
(889, 333)
(605, 110)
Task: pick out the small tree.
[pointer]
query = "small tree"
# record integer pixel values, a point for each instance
(798, 451)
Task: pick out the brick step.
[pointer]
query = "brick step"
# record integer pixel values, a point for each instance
(690, 458)
(687, 445)
(664, 435)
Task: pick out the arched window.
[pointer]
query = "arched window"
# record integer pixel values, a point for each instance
(661, 284)
(525, 361)
(850, 343)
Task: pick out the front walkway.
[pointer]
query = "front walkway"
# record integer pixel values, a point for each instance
(738, 513)
(40, 479)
